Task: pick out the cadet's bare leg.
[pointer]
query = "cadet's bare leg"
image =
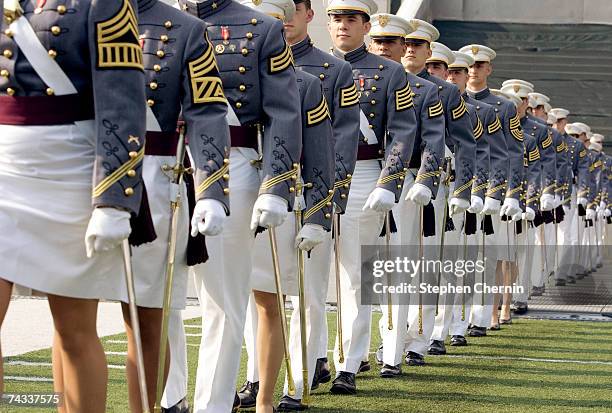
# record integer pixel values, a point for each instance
(85, 374)
(150, 331)
(499, 276)
(270, 348)
(58, 371)
(5, 298)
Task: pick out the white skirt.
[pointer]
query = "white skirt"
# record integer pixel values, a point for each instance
(46, 183)
(149, 260)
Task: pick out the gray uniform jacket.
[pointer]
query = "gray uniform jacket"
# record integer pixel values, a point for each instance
(533, 172)
(606, 178)
(259, 83)
(386, 100)
(79, 35)
(511, 126)
(548, 158)
(459, 134)
(341, 94)
(595, 169)
(181, 73)
(482, 161)
(489, 183)
(428, 149)
(317, 151)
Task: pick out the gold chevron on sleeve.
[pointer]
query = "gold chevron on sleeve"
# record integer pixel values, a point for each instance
(403, 98)
(582, 153)
(119, 173)
(494, 126)
(518, 134)
(281, 61)
(318, 114)
(548, 141)
(319, 205)
(460, 110)
(561, 147)
(349, 96)
(479, 129)
(435, 110)
(117, 40)
(534, 155)
(463, 187)
(212, 178)
(515, 122)
(479, 188)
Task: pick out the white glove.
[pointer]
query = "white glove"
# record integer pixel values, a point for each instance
(582, 201)
(529, 214)
(269, 211)
(309, 237)
(419, 194)
(557, 201)
(457, 206)
(510, 207)
(517, 217)
(566, 208)
(476, 204)
(208, 218)
(380, 200)
(547, 202)
(607, 213)
(590, 213)
(491, 206)
(106, 229)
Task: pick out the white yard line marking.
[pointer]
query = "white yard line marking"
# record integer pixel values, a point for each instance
(28, 378)
(193, 335)
(193, 326)
(116, 353)
(25, 363)
(116, 341)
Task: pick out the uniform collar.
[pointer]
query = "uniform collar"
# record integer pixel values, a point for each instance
(204, 9)
(423, 74)
(144, 5)
(479, 95)
(352, 56)
(301, 48)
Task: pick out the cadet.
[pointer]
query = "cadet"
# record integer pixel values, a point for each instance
(387, 109)
(83, 180)
(265, 345)
(477, 89)
(458, 138)
(255, 64)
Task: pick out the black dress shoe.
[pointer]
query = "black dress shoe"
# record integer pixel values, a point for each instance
(389, 372)
(379, 355)
(181, 407)
(248, 394)
(321, 374)
(520, 308)
(571, 280)
(458, 341)
(437, 348)
(560, 283)
(476, 331)
(364, 366)
(414, 359)
(287, 404)
(344, 383)
(236, 405)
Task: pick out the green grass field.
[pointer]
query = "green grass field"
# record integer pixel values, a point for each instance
(529, 366)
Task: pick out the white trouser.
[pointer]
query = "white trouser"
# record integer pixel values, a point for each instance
(358, 228)
(540, 274)
(551, 247)
(568, 242)
(176, 385)
(223, 285)
(482, 301)
(526, 262)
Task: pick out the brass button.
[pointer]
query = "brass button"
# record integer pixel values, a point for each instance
(226, 177)
(418, 85)
(249, 35)
(153, 85)
(244, 51)
(52, 53)
(254, 22)
(291, 189)
(10, 91)
(326, 65)
(371, 126)
(372, 115)
(365, 140)
(349, 176)
(56, 30)
(374, 88)
(160, 54)
(225, 161)
(328, 204)
(61, 9)
(327, 216)
(343, 196)
(131, 173)
(380, 67)
(133, 154)
(238, 105)
(242, 88)
(164, 38)
(150, 102)
(129, 191)
(373, 101)
(440, 88)
(376, 77)
(399, 187)
(8, 33)
(7, 53)
(157, 68)
(168, 24)
(4, 73)
(321, 76)
(50, 92)
(225, 191)
(242, 69)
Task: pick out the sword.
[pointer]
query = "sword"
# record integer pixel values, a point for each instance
(178, 170)
(464, 275)
(301, 292)
(556, 243)
(387, 256)
(443, 226)
(280, 298)
(420, 269)
(129, 280)
(482, 294)
(336, 224)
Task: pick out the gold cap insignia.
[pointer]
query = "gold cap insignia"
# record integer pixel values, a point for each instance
(257, 2)
(383, 20)
(475, 49)
(516, 88)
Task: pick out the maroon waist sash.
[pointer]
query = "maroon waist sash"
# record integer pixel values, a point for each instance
(243, 137)
(161, 143)
(365, 152)
(45, 110)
